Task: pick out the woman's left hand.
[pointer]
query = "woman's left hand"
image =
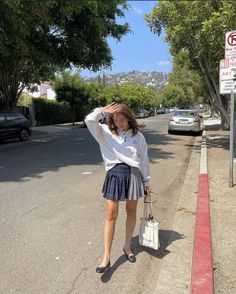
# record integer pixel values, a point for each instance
(111, 108)
(148, 190)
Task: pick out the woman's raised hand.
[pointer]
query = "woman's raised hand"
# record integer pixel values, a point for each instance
(111, 108)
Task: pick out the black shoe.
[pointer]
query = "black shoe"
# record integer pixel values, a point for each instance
(101, 269)
(131, 257)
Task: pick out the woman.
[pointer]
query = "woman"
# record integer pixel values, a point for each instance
(124, 151)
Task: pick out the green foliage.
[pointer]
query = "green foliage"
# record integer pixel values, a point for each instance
(133, 95)
(95, 97)
(38, 38)
(79, 99)
(70, 88)
(174, 96)
(25, 100)
(49, 112)
(186, 79)
(199, 28)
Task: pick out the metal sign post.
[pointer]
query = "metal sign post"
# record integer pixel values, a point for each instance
(227, 86)
(231, 144)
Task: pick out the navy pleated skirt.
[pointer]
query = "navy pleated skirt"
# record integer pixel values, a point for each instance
(123, 182)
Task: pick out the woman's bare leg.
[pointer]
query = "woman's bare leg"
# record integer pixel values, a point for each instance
(131, 210)
(109, 229)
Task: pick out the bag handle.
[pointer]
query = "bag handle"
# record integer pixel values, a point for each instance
(147, 211)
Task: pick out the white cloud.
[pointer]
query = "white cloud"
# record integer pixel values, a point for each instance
(163, 62)
(137, 10)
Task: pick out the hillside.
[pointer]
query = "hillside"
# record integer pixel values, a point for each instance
(147, 79)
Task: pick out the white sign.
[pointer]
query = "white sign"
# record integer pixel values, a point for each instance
(230, 44)
(227, 67)
(227, 86)
(227, 73)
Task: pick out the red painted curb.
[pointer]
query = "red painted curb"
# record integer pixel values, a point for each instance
(202, 265)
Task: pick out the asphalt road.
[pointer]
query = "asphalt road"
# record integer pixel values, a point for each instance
(52, 213)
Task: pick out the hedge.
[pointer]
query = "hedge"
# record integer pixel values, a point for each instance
(48, 112)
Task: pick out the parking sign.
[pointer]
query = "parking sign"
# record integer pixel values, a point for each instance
(230, 44)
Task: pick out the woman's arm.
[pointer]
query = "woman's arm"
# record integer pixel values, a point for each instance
(145, 165)
(92, 120)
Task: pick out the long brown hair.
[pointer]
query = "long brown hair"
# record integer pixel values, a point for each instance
(127, 112)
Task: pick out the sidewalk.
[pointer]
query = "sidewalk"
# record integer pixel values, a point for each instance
(218, 237)
(223, 208)
(57, 128)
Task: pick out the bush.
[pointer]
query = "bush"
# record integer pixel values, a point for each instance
(25, 100)
(49, 112)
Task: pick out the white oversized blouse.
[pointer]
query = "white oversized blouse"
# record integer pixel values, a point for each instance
(121, 148)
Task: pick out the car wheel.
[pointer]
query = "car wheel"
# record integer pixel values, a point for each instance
(24, 135)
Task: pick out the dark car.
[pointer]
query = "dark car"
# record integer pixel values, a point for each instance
(142, 113)
(150, 111)
(160, 110)
(14, 125)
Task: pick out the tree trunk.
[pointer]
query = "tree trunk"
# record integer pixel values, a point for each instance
(73, 114)
(225, 102)
(10, 90)
(215, 97)
(213, 109)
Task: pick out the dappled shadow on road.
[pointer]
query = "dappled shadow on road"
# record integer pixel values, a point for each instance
(166, 237)
(49, 153)
(156, 141)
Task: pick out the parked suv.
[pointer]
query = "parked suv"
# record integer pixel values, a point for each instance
(14, 125)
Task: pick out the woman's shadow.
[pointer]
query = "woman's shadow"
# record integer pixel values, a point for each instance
(166, 237)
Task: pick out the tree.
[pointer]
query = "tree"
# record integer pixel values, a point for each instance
(95, 97)
(38, 38)
(132, 94)
(174, 96)
(198, 27)
(188, 80)
(69, 88)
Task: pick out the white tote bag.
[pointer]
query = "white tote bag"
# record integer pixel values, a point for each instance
(149, 228)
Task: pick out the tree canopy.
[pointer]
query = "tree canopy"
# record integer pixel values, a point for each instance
(83, 97)
(70, 88)
(199, 28)
(132, 94)
(38, 38)
(185, 86)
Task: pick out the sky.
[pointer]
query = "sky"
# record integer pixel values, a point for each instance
(140, 50)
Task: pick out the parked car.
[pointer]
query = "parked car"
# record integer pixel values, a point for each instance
(173, 109)
(150, 110)
(185, 120)
(141, 113)
(14, 125)
(161, 110)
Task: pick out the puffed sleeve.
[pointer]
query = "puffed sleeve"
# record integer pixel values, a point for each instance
(95, 128)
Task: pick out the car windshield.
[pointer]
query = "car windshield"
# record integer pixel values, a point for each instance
(185, 113)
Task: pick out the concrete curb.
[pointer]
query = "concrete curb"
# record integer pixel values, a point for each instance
(202, 280)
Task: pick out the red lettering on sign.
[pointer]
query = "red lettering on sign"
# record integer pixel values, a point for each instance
(224, 63)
